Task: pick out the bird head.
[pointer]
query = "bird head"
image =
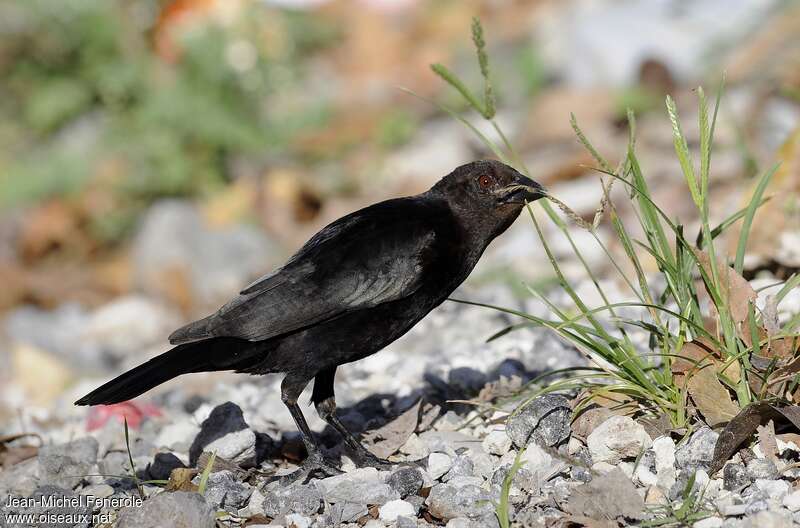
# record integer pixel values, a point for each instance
(488, 194)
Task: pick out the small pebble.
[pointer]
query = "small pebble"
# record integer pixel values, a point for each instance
(497, 443)
(735, 477)
(792, 501)
(617, 438)
(708, 522)
(438, 465)
(762, 468)
(393, 509)
(698, 451)
(775, 489)
(298, 521)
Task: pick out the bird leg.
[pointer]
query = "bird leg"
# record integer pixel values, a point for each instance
(325, 403)
(315, 463)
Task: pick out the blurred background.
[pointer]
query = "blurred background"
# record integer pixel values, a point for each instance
(155, 156)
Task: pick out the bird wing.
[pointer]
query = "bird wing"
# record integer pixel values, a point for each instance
(370, 257)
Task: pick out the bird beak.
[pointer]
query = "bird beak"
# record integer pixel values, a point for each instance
(523, 190)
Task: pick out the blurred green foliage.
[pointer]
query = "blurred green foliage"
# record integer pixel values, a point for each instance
(86, 100)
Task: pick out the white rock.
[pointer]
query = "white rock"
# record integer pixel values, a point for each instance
(626, 468)
(393, 509)
(701, 478)
(667, 478)
(768, 519)
(459, 522)
(617, 438)
(373, 523)
(255, 505)
(776, 489)
(732, 510)
(414, 448)
(238, 446)
(300, 521)
(603, 467)
(645, 476)
(574, 446)
(540, 463)
(497, 443)
(792, 501)
(484, 464)
(708, 522)
(439, 464)
(664, 450)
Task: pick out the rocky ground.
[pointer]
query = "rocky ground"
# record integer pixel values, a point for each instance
(452, 458)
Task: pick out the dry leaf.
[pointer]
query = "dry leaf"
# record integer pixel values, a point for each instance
(766, 438)
(617, 403)
(691, 357)
(387, 439)
(710, 397)
(782, 374)
(10, 455)
(741, 427)
(697, 365)
(181, 480)
(735, 288)
(656, 426)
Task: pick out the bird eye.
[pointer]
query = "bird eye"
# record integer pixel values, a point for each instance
(485, 181)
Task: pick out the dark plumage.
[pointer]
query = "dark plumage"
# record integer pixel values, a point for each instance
(356, 286)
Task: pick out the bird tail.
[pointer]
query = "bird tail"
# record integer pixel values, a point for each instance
(200, 356)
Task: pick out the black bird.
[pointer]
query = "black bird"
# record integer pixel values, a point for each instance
(357, 285)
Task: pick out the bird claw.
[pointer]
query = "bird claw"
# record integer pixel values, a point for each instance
(315, 465)
(367, 459)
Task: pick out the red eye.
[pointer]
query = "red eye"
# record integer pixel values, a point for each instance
(485, 181)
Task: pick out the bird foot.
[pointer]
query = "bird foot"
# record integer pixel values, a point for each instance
(365, 458)
(315, 465)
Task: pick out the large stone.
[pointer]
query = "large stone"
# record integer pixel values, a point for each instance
(698, 452)
(225, 433)
(177, 509)
(225, 492)
(390, 511)
(463, 466)
(446, 502)
(768, 519)
(343, 512)
(64, 465)
(439, 464)
(162, 466)
(616, 439)
(545, 420)
(362, 486)
(762, 468)
(497, 443)
(735, 477)
(406, 481)
(297, 498)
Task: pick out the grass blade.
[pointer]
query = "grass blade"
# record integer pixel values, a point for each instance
(747, 224)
